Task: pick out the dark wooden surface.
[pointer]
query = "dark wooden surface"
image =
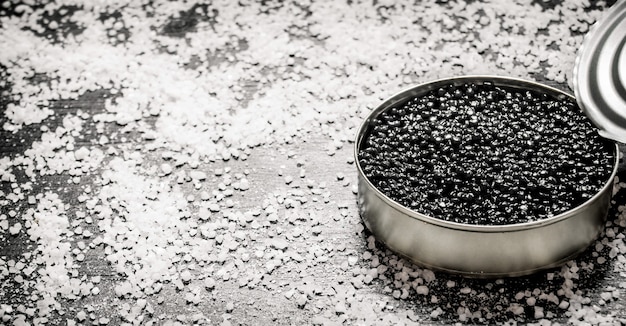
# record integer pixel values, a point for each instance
(318, 278)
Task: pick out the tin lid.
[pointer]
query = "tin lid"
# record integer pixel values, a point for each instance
(600, 74)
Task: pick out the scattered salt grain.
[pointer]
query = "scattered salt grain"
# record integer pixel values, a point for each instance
(340, 308)
(81, 154)
(279, 244)
(301, 301)
(166, 169)
(422, 290)
(81, 316)
(197, 175)
(15, 229)
(186, 276)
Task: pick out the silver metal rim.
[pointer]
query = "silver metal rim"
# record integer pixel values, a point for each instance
(600, 74)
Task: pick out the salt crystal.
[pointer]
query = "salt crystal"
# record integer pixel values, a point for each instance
(166, 169)
(197, 175)
(209, 283)
(279, 244)
(606, 296)
(301, 301)
(516, 309)
(271, 265)
(599, 246)
(428, 275)
(15, 229)
(422, 290)
(538, 313)
(436, 313)
(214, 208)
(186, 276)
(81, 154)
(610, 233)
(340, 308)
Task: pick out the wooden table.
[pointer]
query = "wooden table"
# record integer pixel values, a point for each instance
(196, 164)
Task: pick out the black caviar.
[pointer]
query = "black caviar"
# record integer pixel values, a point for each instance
(486, 154)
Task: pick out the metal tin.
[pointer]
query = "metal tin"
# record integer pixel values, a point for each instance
(600, 74)
(479, 250)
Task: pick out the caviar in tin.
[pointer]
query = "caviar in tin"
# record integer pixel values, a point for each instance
(486, 155)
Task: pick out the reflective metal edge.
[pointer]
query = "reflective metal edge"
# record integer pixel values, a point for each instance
(599, 76)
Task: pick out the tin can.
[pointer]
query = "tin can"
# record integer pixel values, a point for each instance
(479, 250)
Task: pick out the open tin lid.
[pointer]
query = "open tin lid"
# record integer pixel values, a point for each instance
(600, 74)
